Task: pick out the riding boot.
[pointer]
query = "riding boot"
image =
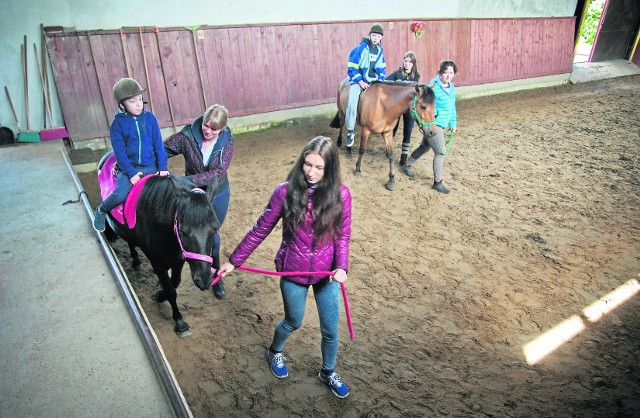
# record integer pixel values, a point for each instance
(350, 138)
(437, 185)
(218, 289)
(403, 159)
(99, 219)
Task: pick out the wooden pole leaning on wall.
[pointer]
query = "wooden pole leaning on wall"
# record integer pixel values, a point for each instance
(166, 88)
(146, 70)
(124, 53)
(93, 62)
(195, 49)
(25, 74)
(43, 51)
(44, 88)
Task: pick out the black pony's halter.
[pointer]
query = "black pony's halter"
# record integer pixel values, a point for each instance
(416, 116)
(188, 254)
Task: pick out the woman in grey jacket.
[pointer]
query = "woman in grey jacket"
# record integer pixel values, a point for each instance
(315, 208)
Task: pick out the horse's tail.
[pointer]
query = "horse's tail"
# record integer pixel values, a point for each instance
(335, 123)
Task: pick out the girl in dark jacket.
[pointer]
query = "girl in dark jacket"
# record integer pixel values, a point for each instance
(207, 146)
(408, 72)
(315, 208)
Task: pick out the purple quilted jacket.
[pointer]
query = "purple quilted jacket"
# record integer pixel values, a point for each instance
(299, 251)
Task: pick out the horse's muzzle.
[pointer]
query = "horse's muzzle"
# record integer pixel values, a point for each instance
(201, 283)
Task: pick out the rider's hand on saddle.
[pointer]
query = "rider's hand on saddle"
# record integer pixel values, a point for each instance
(339, 276)
(363, 84)
(163, 173)
(135, 178)
(226, 268)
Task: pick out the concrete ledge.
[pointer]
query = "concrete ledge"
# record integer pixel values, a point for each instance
(468, 92)
(591, 71)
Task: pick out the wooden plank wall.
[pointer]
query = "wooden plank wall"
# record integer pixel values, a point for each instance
(261, 68)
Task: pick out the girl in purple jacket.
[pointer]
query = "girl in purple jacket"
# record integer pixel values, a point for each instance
(315, 208)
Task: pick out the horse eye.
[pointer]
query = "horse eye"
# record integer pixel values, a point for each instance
(423, 107)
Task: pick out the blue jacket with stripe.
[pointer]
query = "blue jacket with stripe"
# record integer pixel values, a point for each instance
(360, 63)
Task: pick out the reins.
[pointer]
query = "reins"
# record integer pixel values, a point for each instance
(449, 142)
(302, 273)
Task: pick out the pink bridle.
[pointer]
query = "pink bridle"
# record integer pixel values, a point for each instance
(188, 254)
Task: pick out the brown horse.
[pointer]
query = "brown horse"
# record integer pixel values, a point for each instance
(381, 104)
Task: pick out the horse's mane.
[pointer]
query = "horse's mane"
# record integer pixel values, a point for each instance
(427, 94)
(164, 195)
(399, 83)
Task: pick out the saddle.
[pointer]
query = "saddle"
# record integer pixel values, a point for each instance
(124, 213)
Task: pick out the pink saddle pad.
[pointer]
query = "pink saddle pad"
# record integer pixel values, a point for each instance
(125, 212)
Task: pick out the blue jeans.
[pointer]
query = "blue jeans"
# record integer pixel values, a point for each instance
(123, 185)
(294, 297)
(220, 203)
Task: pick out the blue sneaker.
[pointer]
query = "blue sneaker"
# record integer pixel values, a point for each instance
(278, 368)
(337, 386)
(99, 219)
(351, 136)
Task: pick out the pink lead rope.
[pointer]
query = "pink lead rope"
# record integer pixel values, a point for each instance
(352, 335)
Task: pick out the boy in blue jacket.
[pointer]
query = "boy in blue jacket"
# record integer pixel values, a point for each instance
(366, 64)
(137, 145)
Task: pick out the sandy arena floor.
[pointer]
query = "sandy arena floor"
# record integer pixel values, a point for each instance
(445, 290)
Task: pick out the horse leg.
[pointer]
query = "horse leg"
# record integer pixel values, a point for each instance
(169, 294)
(176, 274)
(388, 142)
(363, 147)
(338, 123)
(135, 258)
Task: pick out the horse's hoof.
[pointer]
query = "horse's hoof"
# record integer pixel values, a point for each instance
(136, 265)
(347, 152)
(390, 185)
(182, 329)
(357, 173)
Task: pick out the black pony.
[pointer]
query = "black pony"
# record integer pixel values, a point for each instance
(175, 221)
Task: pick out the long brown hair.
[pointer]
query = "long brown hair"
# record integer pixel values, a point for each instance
(414, 70)
(326, 198)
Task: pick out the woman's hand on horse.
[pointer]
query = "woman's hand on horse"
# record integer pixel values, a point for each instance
(363, 84)
(226, 268)
(163, 173)
(135, 178)
(339, 275)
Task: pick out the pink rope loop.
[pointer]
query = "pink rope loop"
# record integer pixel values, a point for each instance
(352, 334)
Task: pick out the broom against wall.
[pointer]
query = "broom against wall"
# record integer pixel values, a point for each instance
(49, 133)
(28, 135)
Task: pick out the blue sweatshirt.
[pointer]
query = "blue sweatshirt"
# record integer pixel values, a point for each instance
(137, 142)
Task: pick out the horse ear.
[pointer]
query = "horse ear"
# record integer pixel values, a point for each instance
(418, 89)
